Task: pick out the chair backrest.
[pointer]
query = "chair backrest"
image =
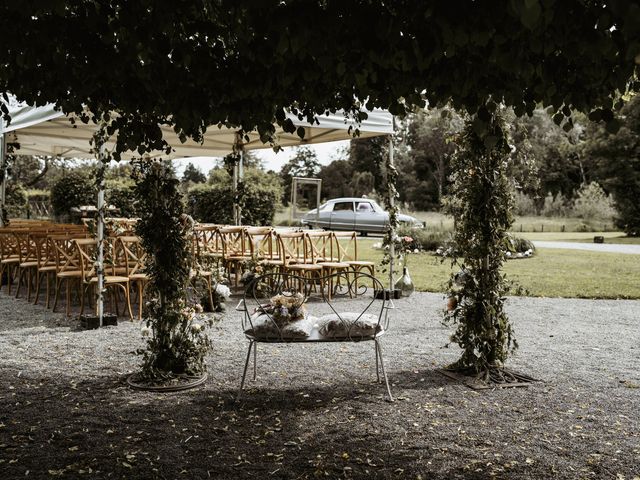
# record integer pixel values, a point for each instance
(86, 253)
(264, 242)
(321, 245)
(345, 246)
(131, 255)
(235, 242)
(208, 242)
(9, 246)
(293, 248)
(66, 254)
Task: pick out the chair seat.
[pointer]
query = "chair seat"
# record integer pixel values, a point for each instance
(69, 273)
(139, 276)
(11, 260)
(304, 266)
(28, 264)
(237, 257)
(111, 279)
(361, 263)
(271, 262)
(334, 265)
(47, 268)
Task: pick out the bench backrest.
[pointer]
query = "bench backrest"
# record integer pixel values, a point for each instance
(271, 308)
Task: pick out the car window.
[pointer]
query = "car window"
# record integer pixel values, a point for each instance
(343, 207)
(364, 207)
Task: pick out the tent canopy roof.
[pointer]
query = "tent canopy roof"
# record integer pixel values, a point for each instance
(46, 131)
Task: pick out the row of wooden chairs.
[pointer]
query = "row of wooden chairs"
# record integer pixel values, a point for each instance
(307, 254)
(65, 255)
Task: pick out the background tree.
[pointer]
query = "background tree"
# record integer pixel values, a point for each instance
(366, 155)
(193, 174)
(617, 164)
(336, 179)
(303, 164)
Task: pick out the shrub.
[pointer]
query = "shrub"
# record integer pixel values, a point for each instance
(524, 204)
(555, 206)
(519, 244)
(214, 204)
(16, 200)
(592, 203)
(72, 190)
(424, 239)
(123, 198)
(259, 198)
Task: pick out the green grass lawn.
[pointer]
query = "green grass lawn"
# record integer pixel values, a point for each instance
(550, 273)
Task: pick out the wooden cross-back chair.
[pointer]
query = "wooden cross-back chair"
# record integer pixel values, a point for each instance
(237, 250)
(134, 259)
(68, 268)
(208, 244)
(46, 255)
(28, 253)
(346, 247)
(86, 249)
(297, 256)
(9, 254)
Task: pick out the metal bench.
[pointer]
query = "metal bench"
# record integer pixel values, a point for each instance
(285, 308)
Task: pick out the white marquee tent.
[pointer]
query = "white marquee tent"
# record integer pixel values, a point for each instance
(47, 131)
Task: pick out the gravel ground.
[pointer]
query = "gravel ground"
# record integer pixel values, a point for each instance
(315, 410)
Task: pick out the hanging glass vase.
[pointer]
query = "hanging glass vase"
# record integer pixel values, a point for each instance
(405, 284)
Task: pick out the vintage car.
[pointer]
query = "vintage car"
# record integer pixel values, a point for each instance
(360, 214)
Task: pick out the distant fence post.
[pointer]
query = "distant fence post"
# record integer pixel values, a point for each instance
(542, 227)
(562, 228)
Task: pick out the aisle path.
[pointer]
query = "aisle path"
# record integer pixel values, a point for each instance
(593, 247)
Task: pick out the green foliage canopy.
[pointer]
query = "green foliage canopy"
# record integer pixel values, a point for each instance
(196, 63)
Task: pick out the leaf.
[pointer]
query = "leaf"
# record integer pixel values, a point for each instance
(530, 14)
(490, 141)
(613, 126)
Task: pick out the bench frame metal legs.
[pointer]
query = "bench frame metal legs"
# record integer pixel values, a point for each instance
(379, 366)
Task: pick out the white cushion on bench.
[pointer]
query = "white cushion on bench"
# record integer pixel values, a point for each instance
(348, 324)
(265, 328)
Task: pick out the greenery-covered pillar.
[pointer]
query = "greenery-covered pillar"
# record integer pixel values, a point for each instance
(177, 342)
(238, 178)
(99, 140)
(481, 203)
(392, 175)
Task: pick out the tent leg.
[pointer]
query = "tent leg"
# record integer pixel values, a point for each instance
(100, 236)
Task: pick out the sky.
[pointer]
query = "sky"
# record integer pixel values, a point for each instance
(326, 153)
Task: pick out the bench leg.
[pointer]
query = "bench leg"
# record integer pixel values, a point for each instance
(384, 373)
(246, 365)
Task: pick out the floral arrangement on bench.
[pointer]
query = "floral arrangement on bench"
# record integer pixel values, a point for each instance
(286, 308)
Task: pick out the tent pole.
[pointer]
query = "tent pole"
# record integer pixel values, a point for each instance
(392, 202)
(100, 234)
(3, 184)
(236, 219)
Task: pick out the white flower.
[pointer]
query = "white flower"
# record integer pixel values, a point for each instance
(415, 250)
(146, 331)
(196, 327)
(223, 291)
(508, 254)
